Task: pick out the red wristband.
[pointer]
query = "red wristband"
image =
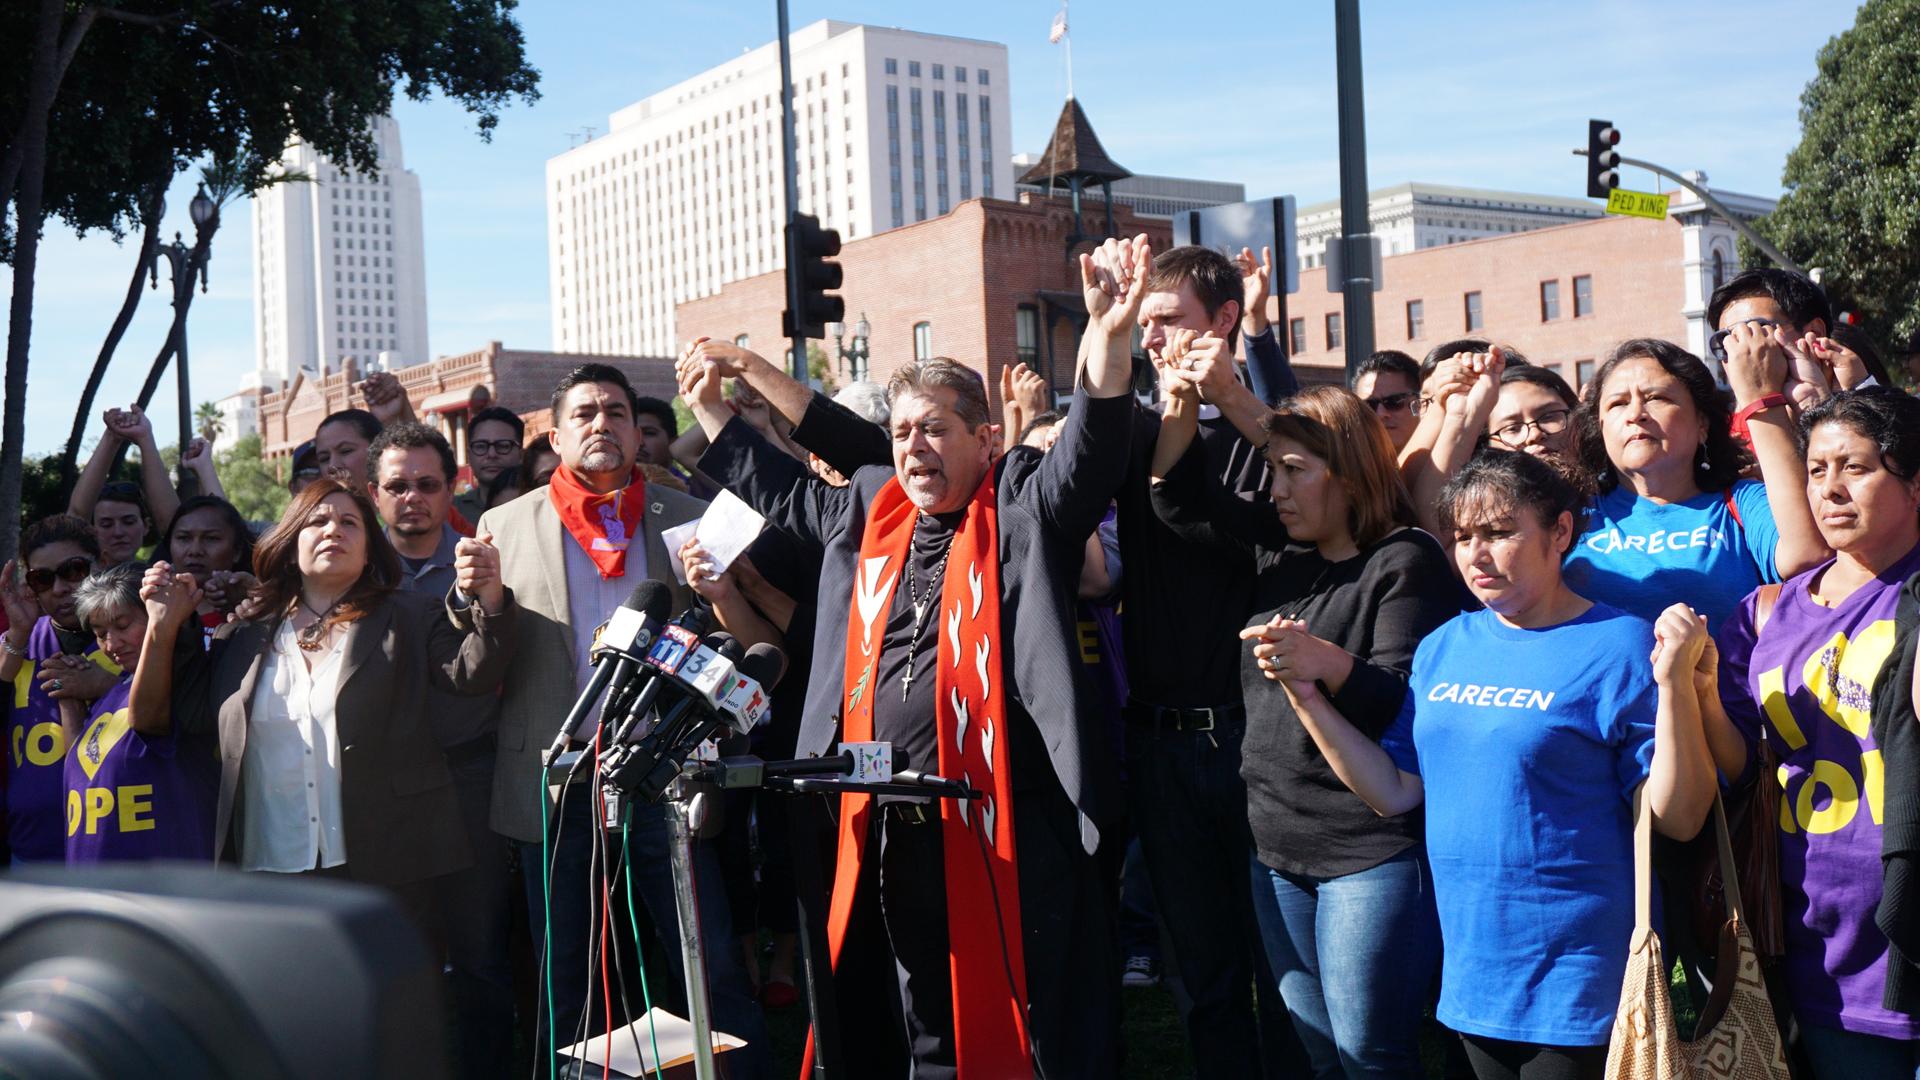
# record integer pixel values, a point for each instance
(1759, 405)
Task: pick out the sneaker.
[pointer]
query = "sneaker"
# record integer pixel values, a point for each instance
(1141, 972)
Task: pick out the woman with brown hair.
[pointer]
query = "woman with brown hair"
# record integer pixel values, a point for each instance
(327, 764)
(1344, 897)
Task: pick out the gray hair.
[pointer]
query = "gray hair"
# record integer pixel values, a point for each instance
(866, 399)
(922, 376)
(105, 592)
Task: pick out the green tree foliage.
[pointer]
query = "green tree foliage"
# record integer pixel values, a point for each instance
(256, 488)
(1852, 205)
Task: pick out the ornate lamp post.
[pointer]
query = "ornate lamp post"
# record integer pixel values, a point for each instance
(185, 265)
(853, 358)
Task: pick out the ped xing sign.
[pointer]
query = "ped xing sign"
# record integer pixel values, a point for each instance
(1636, 203)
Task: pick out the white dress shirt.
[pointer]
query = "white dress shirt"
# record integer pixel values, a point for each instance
(290, 775)
(590, 602)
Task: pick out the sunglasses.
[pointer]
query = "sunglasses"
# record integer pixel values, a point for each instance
(1717, 341)
(425, 485)
(73, 572)
(1390, 402)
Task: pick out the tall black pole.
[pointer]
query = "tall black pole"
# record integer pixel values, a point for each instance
(1356, 240)
(790, 153)
(180, 303)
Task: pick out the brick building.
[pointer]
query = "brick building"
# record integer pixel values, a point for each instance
(441, 391)
(988, 284)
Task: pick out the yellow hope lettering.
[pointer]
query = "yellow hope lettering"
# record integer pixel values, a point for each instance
(1873, 777)
(46, 744)
(1839, 810)
(1773, 698)
(1787, 824)
(73, 812)
(22, 684)
(1840, 675)
(135, 800)
(99, 805)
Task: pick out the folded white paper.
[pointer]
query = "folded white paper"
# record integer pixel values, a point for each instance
(728, 528)
(674, 1036)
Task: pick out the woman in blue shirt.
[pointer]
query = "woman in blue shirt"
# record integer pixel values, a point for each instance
(1673, 518)
(1527, 728)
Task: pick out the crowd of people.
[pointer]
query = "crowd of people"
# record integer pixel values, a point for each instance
(1351, 696)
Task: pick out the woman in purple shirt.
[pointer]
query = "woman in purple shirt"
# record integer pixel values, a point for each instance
(129, 795)
(1802, 679)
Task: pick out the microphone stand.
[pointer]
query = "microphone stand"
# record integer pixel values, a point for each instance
(687, 801)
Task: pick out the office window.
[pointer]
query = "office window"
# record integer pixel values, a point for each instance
(1334, 340)
(1474, 319)
(913, 69)
(960, 74)
(983, 76)
(923, 341)
(893, 66)
(1583, 374)
(1416, 319)
(1582, 296)
(1297, 329)
(1549, 301)
(940, 71)
(1026, 338)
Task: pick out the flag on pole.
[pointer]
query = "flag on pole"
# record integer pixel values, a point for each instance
(1059, 27)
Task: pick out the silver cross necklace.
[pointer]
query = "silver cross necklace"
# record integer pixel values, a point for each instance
(921, 606)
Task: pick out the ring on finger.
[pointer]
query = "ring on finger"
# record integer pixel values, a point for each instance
(53, 686)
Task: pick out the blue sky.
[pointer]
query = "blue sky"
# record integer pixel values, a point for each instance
(1492, 94)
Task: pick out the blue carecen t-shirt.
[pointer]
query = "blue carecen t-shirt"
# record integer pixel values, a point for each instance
(1643, 556)
(1530, 744)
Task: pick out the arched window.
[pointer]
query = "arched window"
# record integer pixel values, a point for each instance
(923, 341)
(1719, 269)
(741, 341)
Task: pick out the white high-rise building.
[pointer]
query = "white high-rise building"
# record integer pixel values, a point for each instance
(686, 193)
(1415, 216)
(339, 266)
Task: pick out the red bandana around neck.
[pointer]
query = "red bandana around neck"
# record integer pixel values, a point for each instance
(983, 891)
(603, 525)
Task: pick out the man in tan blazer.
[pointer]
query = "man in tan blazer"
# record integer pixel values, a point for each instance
(571, 552)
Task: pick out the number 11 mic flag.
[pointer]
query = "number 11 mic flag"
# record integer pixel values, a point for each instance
(1059, 29)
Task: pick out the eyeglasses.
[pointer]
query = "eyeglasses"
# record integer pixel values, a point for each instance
(1514, 432)
(493, 447)
(1391, 402)
(425, 485)
(1717, 342)
(73, 572)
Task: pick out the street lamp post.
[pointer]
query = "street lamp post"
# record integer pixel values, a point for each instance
(185, 264)
(853, 358)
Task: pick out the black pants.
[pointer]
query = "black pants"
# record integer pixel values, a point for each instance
(474, 914)
(898, 933)
(1497, 1059)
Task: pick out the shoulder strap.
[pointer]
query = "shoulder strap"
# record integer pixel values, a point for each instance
(1763, 600)
(1734, 509)
(1642, 861)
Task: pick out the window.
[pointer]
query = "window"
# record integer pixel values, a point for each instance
(1334, 340)
(923, 341)
(1416, 319)
(1549, 301)
(741, 341)
(1474, 318)
(913, 69)
(893, 66)
(940, 71)
(1719, 270)
(1298, 330)
(960, 74)
(983, 76)
(1582, 296)
(1026, 337)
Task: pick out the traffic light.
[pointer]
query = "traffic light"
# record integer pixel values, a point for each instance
(1603, 172)
(810, 307)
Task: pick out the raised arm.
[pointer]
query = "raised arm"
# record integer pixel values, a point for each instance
(199, 459)
(730, 606)
(86, 490)
(134, 427)
(783, 490)
(1268, 369)
(1463, 420)
(1680, 782)
(1756, 369)
(1360, 763)
(161, 694)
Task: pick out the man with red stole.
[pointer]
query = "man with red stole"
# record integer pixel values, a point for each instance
(946, 626)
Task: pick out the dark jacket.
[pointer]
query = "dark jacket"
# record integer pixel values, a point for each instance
(400, 817)
(1896, 731)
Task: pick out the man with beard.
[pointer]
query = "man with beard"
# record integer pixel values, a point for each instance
(46, 656)
(411, 483)
(945, 626)
(571, 553)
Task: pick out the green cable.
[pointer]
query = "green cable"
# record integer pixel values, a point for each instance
(639, 952)
(546, 952)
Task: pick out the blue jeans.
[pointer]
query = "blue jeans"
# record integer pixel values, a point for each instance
(1355, 957)
(1850, 1055)
(575, 906)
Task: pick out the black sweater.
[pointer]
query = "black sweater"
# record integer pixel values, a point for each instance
(1897, 733)
(1377, 606)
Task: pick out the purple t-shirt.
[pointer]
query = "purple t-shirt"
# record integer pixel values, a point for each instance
(131, 796)
(36, 752)
(1808, 682)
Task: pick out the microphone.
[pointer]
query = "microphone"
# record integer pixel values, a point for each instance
(754, 678)
(717, 693)
(618, 649)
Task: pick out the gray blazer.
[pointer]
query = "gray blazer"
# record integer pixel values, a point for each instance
(401, 820)
(539, 686)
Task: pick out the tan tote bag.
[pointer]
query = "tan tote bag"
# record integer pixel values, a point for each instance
(1737, 1038)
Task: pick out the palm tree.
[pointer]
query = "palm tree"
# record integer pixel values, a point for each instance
(210, 420)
